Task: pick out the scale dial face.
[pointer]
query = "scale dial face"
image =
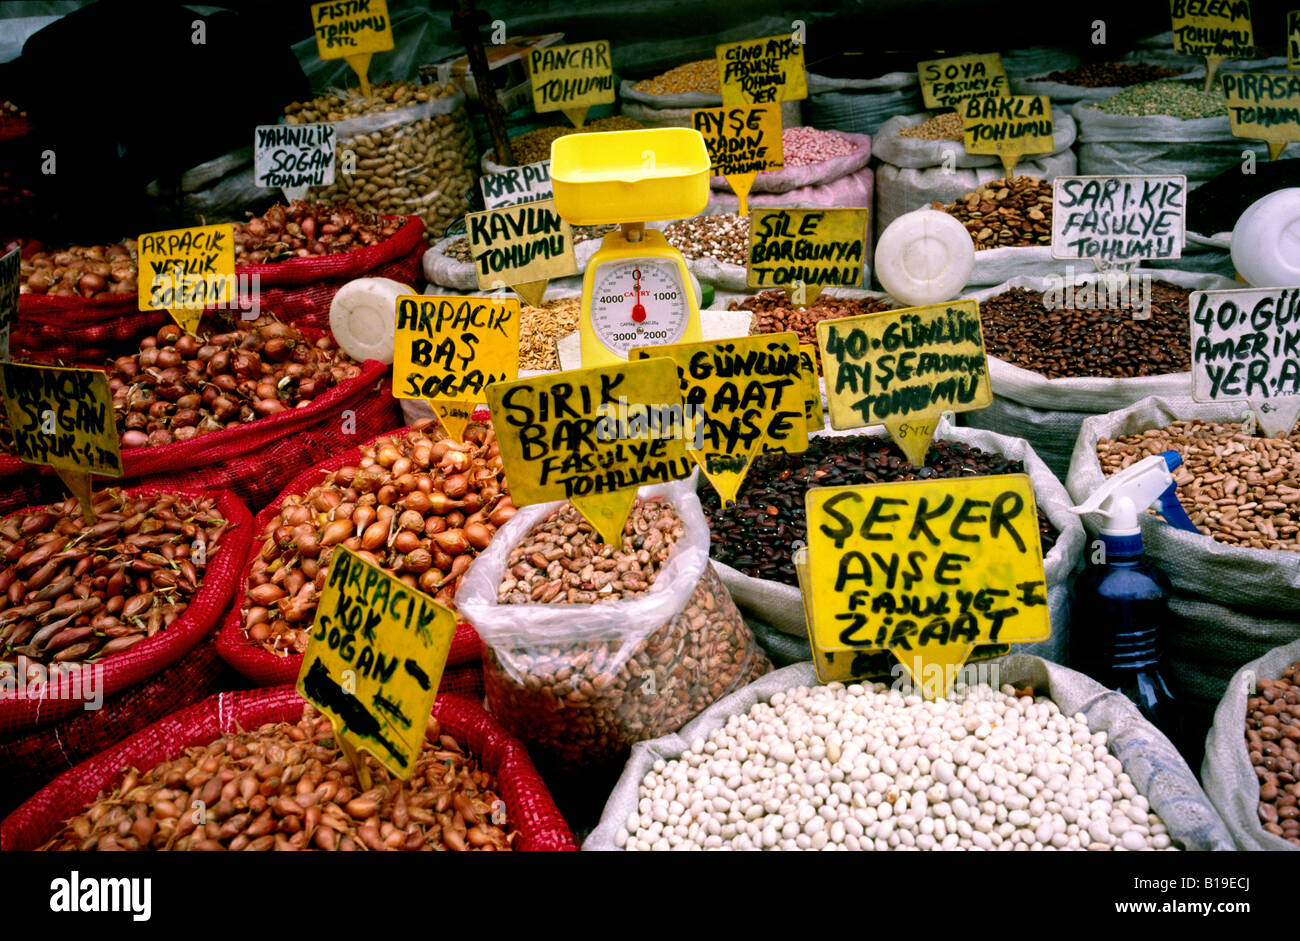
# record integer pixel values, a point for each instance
(638, 302)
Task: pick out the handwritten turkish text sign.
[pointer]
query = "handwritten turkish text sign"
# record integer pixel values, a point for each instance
(742, 143)
(1214, 29)
(925, 569)
(352, 30)
(293, 157)
(1264, 106)
(593, 436)
(1118, 219)
(448, 350)
(1293, 40)
(523, 246)
(1008, 126)
(185, 270)
(812, 388)
(375, 659)
(349, 27)
(806, 248)
(1246, 345)
(904, 369)
(572, 78)
(761, 71)
(749, 393)
(10, 271)
(945, 83)
(63, 418)
(514, 185)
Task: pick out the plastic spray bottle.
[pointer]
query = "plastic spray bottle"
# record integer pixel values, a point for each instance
(1120, 614)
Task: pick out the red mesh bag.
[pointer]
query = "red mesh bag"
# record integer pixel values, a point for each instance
(23, 485)
(257, 459)
(267, 669)
(300, 290)
(153, 655)
(529, 806)
(30, 760)
(80, 330)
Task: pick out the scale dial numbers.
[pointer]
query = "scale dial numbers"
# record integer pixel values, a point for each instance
(638, 302)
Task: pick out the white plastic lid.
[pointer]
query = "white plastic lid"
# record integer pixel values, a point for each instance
(1266, 241)
(924, 257)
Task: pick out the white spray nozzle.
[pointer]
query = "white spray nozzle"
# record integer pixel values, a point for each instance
(1126, 494)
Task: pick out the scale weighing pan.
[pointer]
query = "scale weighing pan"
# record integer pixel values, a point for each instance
(630, 176)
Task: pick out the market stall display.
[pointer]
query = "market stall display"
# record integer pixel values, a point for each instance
(923, 161)
(587, 648)
(166, 557)
(406, 150)
(881, 770)
(412, 502)
(1250, 754)
(1234, 594)
(493, 796)
(1162, 127)
(1048, 370)
(1091, 81)
(637, 615)
(1010, 224)
(755, 537)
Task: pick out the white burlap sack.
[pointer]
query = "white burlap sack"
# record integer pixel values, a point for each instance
(1229, 604)
(918, 153)
(1149, 759)
(1230, 780)
(1198, 148)
(809, 175)
(781, 605)
(997, 265)
(900, 190)
(860, 105)
(1048, 412)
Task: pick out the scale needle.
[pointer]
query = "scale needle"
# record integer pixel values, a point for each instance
(638, 309)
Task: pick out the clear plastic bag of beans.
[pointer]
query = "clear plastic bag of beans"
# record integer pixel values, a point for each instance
(588, 650)
(414, 160)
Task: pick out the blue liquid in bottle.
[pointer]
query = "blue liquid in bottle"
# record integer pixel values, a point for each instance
(1118, 621)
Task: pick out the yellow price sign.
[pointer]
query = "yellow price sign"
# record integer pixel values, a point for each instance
(945, 83)
(592, 437)
(926, 569)
(803, 250)
(1264, 106)
(1293, 40)
(447, 350)
(812, 387)
(183, 271)
(352, 30)
(523, 246)
(762, 71)
(904, 369)
(375, 659)
(571, 78)
(742, 143)
(63, 418)
(1008, 126)
(746, 396)
(1213, 29)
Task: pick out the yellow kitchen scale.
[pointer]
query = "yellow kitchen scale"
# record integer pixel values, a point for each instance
(637, 290)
